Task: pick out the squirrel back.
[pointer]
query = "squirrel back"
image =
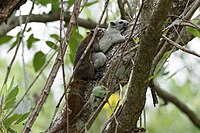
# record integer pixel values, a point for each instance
(85, 70)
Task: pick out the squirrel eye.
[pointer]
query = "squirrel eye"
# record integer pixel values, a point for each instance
(100, 30)
(121, 22)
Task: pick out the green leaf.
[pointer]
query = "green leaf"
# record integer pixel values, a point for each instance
(51, 45)
(194, 31)
(7, 123)
(55, 36)
(29, 29)
(9, 104)
(39, 60)
(154, 76)
(11, 84)
(73, 44)
(15, 42)
(137, 40)
(31, 40)
(11, 130)
(44, 2)
(3, 90)
(5, 39)
(23, 117)
(12, 94)
(11, 98)
(163, 59)
(70, 3)
(55, 5)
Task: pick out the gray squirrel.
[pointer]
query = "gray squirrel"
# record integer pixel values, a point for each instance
(112, 35)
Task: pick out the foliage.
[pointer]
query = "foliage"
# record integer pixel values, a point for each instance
(38, 50)
(194, 31)
(38, 60)
(10, 119)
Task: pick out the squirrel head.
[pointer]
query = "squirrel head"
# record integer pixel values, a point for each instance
(119, 24)
(99, 34)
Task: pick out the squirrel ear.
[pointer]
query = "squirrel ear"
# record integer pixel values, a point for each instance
(92, 31)
(112, 24)
(100, 30)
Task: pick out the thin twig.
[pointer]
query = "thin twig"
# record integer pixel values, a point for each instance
(13, 59)
(45, 92)
(123, 47)
(144, 116)
(83, 5)
(179, 104)
(63, 72)
(93, 37)
(122, 9)
(23, 59)
(111, 118)
(18, 44)
(55, 112)
(94, 115)
(181, 47)
(189, 24)
(194, 7)
(29, 87)
(90, 43)
(114, 116)
(119, 107)
(62, 59)
(107, 73)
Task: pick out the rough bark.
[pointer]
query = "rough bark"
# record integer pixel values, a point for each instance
(128, 114)
(8, 6)
(137, 90)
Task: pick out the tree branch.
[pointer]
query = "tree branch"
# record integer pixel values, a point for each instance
(184, 36)
(179, 104)
(122, 74)
(181, 47)
(76, 127)
(8, 6)
(45, 92)
(136, 95)
(44, 18)
(122, 9)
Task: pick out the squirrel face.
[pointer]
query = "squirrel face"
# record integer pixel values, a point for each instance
(99, 34)
(119, 24)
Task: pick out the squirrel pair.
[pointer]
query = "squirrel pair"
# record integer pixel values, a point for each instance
(95, 56)
(94, 59)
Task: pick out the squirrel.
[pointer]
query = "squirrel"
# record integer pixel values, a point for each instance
(83, 73)
(86, 70)
(94, 59)
(112, 35)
